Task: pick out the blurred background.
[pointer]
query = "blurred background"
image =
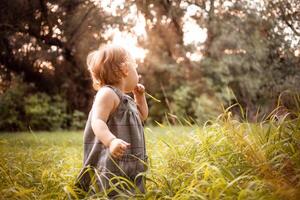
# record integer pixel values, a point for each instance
(195, 57)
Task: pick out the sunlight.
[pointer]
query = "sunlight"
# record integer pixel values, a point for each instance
(110, 6)
(127, 39)
(193, 34)
(42, 65)
(130, 42)
(297, 53)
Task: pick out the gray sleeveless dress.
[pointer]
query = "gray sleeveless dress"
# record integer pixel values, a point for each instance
(101, 172)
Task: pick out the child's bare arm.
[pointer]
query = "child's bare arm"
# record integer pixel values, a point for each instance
(103, 105)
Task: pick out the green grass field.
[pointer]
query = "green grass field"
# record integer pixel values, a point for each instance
(225, 160)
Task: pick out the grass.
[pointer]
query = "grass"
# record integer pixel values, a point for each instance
(225, 160)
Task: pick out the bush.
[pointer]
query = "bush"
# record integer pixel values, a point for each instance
(22, 108)
(205, 108)
(45, 113)
(78, 120)
(11, 107)
(186, 103)
(182, 99)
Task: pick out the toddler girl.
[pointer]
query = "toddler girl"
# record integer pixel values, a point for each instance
(114, 143)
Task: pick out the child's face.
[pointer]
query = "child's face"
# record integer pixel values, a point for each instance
(132, 78)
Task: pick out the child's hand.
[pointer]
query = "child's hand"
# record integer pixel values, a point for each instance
(117, 147)
(139, 90)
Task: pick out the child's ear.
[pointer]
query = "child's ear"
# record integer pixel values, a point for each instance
(125, 70)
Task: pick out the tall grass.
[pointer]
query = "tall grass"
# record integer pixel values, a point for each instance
(226, 159)
(229, 160)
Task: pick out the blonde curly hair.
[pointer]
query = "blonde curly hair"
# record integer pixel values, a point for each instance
(105, 65)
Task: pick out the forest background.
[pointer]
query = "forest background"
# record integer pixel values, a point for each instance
(195, 57)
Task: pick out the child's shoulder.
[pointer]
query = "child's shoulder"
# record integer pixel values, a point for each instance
(106, 96)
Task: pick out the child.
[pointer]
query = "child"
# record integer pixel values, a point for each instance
(114, 143)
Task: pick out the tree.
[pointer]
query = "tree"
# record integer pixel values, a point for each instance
(47, 42)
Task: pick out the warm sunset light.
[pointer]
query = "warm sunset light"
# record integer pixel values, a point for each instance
(212, 111)
(193, 34)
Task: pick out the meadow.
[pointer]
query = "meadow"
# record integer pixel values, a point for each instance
(223, 159)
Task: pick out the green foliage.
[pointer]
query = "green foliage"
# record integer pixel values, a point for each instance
(22, 108)
(157, 110)
(44, 112)
(11, 107)
(78, 120)
(206, 108)
(182, 99)
(251, 47)
(249, 56)
(186, 104)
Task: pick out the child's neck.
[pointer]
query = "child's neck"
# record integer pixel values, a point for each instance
(120, 86)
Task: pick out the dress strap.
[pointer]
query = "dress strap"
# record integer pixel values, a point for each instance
(116, 90)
